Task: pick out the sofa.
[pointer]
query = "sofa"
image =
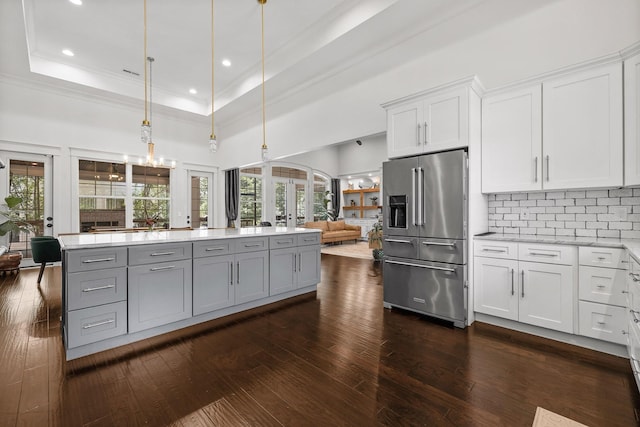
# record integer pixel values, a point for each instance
(335, 231)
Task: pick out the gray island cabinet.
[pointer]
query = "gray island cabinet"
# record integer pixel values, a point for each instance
(119, 288)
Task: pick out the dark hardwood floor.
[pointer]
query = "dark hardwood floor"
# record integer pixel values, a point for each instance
(335, 358)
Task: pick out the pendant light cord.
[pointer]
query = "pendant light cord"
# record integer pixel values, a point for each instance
(212, 71)
(264, 126)
(145, 62)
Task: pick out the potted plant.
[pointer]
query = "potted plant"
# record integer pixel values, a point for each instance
(374, 201)
(375, 241)
(11, 222)
(332, 215)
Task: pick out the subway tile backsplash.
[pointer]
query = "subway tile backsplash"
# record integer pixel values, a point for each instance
(590, 213)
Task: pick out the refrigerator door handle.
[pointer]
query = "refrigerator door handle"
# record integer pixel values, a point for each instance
(438, 244)
(420, 196)
(430, 267)
(397, 241)
(414, 174)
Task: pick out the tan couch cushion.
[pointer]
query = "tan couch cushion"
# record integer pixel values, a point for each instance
(336, 225)
(320, 225)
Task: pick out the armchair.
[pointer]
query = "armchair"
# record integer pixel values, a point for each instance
(45, 249)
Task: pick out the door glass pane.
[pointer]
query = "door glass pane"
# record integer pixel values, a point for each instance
(151, 196)
(280, 203)
(300, 204)
(250, 200)
(199, 202)
(26, 180)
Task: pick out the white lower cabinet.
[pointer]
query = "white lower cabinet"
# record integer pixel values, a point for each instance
(212, 283)
(251, 276)
(602, 291)
(536, 293)
(546, 295)
(633, 318)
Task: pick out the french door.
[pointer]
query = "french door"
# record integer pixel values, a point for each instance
(200, 213)
(28, 176)
(290, 197)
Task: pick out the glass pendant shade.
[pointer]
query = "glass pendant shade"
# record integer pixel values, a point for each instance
(265, 153)
(213, 144)
(145, 132)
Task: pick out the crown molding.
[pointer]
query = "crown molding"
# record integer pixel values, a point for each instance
(471, 81)
(630, 50)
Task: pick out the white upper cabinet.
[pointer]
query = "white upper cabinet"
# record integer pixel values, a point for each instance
(632, 120)
(582, 129)
(560, 133)
(430, 121)
(512, 141)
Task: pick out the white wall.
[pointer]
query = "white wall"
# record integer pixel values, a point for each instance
(354, 159)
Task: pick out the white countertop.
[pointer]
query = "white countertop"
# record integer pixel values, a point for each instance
(105, 240)
(632, 245)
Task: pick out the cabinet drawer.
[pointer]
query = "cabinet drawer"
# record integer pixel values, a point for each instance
(602, 321)
(603, 257)
(603, 285)
(550, 254)
(95, 259)
(252, 244)
(493, 249)
(91, 288)
(307, 239)
(280, 242)
(96, 324)
(213, 248)
(150, 254)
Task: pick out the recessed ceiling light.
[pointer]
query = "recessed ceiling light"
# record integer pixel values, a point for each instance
(226, 63)
(192, 91)
(68, 52)
(76, 2)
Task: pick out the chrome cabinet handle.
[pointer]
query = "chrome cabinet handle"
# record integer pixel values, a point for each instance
(162, 253)
(535, 169)
(284, 242)
(254, 245)
(168, 267)
(498, 251)
(601, 258)
(238, 271)
(418, 139)
(634, 277)
(217, 248)
(421, 266)
(512, 288)
(522, 285)
(543, 254)
(295, 262)
(547, 168)
(634, 317)
(89, 261)
(231, 268)
(397, 241)
(438, 244)
(299, 262)
(93, 325)
(99, 288)
(425, 133)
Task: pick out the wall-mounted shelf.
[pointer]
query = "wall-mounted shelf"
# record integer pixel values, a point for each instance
(359, 197)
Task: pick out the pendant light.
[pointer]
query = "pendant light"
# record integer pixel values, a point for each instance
(213, 144)
(150, 145)
(264, 149)
(145, 135)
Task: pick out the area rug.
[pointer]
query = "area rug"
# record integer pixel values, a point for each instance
(546, 418)
(349, 249)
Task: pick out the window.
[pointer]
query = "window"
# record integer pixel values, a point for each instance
(250, 197)
(150, 191)
(105, 201)
(320, 194)
(102, 190)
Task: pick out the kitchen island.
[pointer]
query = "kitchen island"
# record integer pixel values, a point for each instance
(119, 288)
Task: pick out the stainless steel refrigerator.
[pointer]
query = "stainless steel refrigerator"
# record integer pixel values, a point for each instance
(425, 235)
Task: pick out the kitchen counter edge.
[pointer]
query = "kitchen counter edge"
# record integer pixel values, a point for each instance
(106, 240)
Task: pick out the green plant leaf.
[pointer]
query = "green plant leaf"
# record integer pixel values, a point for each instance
(12, 201)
